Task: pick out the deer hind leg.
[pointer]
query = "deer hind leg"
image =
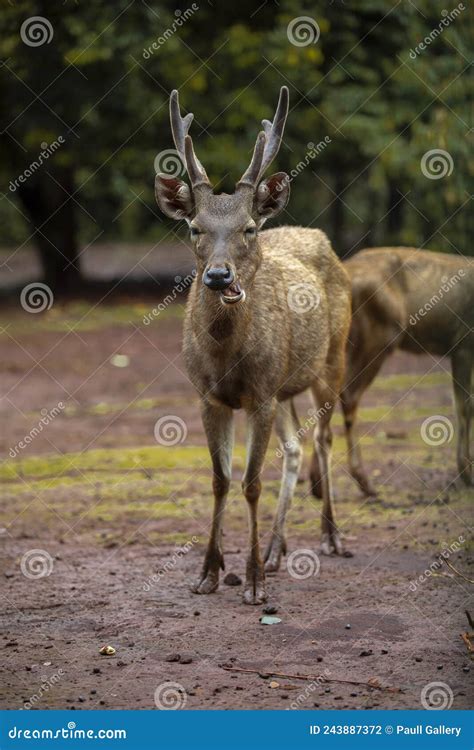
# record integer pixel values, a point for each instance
(218, 424)
(462, 368)
(325, 398)
(286, 425)
(260, 421)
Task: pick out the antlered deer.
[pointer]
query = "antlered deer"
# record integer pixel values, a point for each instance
(419, 301)
(245, 346)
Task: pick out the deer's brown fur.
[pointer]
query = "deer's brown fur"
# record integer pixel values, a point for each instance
(246, 342)
(418, 301)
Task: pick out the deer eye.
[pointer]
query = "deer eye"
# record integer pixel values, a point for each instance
(251, 231)
(194, 232)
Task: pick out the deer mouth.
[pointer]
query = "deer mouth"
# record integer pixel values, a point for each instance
(233, 294)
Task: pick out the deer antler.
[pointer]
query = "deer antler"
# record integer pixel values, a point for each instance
(183, 142)
(268, 142)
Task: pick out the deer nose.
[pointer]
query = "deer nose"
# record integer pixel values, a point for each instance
(218, 277)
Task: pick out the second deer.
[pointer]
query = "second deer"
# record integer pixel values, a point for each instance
(248, 344)
(418, 301)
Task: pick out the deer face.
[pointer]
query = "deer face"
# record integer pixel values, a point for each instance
(224, 228)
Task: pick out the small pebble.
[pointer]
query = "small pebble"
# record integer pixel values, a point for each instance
(270, 610)
(173, 657)
(348, 627)
(232, 579)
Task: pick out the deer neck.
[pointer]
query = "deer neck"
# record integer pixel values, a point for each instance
(226, 324)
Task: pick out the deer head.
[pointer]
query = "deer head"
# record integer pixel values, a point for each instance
(224, 228)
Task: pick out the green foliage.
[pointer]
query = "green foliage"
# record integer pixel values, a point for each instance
(96, 85)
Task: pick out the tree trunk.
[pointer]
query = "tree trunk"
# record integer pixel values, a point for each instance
(52, 214)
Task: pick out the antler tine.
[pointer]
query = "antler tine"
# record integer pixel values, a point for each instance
(268, 141)
(180, 128)
(250, 176)
(274, 130)
(179, 125)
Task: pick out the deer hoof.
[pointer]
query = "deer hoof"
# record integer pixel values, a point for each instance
(206, 585)
(273, 555)
(254, 595)
(332, 545)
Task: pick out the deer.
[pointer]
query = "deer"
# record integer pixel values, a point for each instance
(246, 345)
(418, 301)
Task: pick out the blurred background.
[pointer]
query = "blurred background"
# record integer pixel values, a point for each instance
(85, 124)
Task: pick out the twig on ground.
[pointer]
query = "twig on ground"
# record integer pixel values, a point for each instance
(461, 575)
(312, 678)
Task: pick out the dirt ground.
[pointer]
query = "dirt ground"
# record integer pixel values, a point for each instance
(119, 523)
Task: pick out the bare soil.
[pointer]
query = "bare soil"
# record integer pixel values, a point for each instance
(122, 522)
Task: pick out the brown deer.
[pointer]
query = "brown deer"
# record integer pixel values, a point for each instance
(418, 301)
(247, 344)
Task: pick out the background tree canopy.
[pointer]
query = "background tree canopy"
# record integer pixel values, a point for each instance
(96, 92)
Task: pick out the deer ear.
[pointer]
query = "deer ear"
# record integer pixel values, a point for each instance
(272, 196)
(174, 197)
